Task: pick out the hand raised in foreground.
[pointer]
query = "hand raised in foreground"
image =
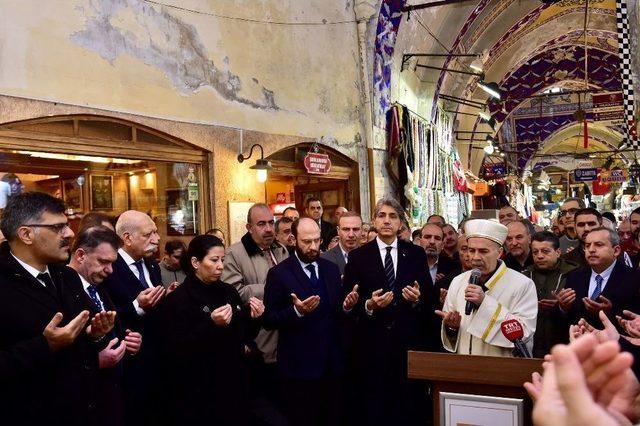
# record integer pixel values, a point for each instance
(256, 306)
(585, 383)
(110, 356)
(379, 300)
(150, 297)
(101, 324)
(133, 341)
(351, 299)
(450, 319)
(307, 305)
(222, 315)
(60, 337)
(411, 293)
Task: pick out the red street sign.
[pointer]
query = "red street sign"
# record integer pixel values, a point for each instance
(317, 164)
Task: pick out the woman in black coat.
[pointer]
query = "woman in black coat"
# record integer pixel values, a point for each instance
(203, 327)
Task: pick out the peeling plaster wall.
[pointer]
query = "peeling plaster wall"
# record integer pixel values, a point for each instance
(138, 57)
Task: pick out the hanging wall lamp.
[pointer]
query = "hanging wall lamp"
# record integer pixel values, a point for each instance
(261, 167)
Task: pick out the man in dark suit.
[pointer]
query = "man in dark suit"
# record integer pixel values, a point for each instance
(313, 209)
(606, 284)
(350, 233)
(432, 242)
(394, 313)
(303, 301)
(135, 286)
(48, 355)
(94, 251)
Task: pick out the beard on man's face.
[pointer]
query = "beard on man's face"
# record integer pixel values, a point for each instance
(309, 257)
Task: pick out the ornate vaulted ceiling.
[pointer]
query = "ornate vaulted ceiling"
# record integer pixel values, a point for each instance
(527, 47)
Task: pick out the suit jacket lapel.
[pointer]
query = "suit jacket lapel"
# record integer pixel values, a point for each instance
(133, 280)
(374, 254)
(331, 290)
(25, 283)
(402, 266)
(612, 286)
(338, 256)
(583, 290)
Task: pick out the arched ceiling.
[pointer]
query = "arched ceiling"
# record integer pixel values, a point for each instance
(527, 47)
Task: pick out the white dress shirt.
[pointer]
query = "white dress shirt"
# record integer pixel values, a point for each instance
(132, 266)
(33, 271)
(394, 252)
(433, 271)
(345, 254)
(605, 278)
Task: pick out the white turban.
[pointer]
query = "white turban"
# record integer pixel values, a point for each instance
(489, 229)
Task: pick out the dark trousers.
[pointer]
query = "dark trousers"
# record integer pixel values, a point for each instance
(313, 402)
(265, 404)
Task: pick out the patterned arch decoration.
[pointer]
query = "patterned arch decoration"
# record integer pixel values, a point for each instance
(389, 19)
(546, 69)
(624, 49)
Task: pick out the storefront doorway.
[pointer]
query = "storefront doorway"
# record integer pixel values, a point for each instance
(97, 163)
(290, 184)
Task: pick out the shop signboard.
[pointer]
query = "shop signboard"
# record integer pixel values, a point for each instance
(585, 175)
(614, 176)
(607, 108)
(317, 163)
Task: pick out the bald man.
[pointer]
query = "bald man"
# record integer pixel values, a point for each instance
(303, 301)
(135, 287)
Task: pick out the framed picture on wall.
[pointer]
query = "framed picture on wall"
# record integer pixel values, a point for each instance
(72, 194)
(181, 219)
(101, 187)
(238, 219)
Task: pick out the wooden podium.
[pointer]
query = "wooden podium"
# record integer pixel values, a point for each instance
(471, 374)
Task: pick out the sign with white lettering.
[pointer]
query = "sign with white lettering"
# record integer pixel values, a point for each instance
(317, 164)
(585, 175)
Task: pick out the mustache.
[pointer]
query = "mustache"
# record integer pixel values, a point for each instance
(66, 242)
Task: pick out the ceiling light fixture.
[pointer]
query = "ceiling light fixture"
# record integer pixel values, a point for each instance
(488, 149)
(491, 88)
(477, 65)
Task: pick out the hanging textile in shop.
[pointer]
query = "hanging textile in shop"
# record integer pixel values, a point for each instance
(459, 178)
(424, 165)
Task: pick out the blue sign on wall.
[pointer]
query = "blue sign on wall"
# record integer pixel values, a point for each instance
(585, 175)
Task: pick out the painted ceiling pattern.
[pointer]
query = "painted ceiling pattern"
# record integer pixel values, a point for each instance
(555, 65)
(542, 71)
(544, 46)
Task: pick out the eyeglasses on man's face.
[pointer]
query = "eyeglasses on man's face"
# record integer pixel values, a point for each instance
(55, 227)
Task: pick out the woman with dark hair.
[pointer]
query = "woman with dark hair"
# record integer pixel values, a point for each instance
(204, 328)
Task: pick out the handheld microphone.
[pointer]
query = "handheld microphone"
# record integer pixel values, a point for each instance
(474, 279)
(513, 331)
